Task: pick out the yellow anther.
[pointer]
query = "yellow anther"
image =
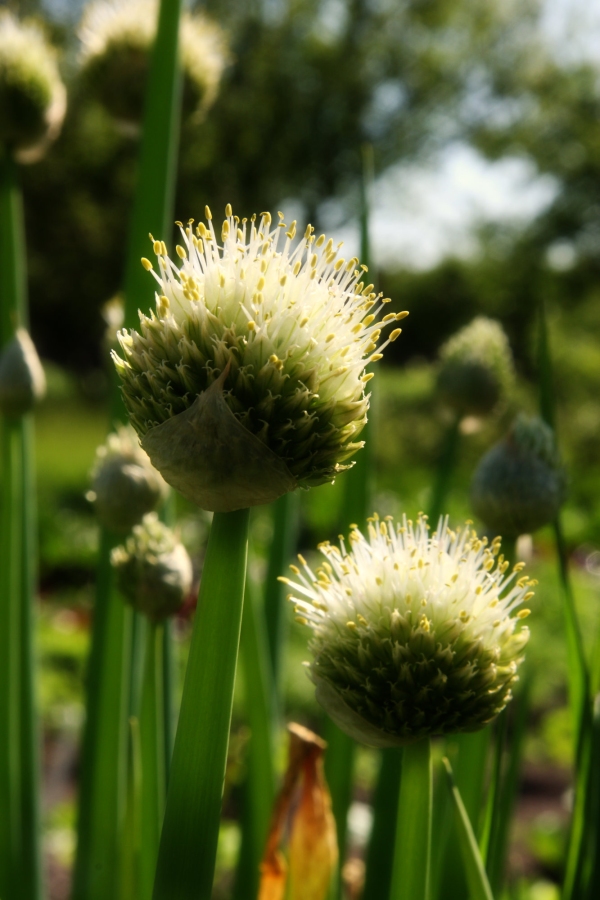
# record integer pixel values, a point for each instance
(260, 284)
(207, 213)
(157, 247)
(351, 626)
(228, 210)
(367, 377)
(292, 232)
(395, 334)
(523, 613)
(297, 267)
(329, 338)
(400, 315)
(146, 264)
(251, 325)
(181, 252)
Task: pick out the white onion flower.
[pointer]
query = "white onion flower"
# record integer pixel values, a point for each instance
(414, 633)
(249, 380)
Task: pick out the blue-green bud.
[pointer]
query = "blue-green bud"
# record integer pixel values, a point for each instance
(153, 569)
(519, 485)
(476, 368)
(22, 379)
(125, 485)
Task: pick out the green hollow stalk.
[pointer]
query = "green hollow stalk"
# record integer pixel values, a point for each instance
(152, 750)
(261, 707)
(380, 851)
(190, 832)
(20, 852)
(341, 750)
(475, 874)
(104, 751)
(285, 533)
(412, 857)
(109, 688)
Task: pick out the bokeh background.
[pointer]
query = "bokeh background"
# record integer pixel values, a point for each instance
(484, 123)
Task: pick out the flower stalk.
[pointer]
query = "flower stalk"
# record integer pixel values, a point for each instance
(191, 826)
(412, 858)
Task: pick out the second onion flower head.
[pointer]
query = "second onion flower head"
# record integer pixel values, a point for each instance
(414, 633)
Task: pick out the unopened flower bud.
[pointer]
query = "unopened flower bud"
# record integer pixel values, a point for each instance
(249, 381)
(153, 569)
(117, 37)
(22, 379)
(519, 484)
(414, 634)
(125, 484)
(32, 95)
(476, 368)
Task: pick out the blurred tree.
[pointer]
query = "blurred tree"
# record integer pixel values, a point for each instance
(311, 81)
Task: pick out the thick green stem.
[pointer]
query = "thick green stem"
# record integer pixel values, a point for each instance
(259, 788)
(188, 844)
(152, 747)
(103, 757)
(18, 580)
(410, 878)
(444, 472)
(10, 587)
(380, 853)
(285, 530)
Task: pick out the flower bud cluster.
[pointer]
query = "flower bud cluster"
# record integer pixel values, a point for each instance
(153, 569)
(519, 485)
(22, 379)
(116, 38)
(125, 485)
(32, 95)
(414, 633)
(249, 380)
(476, 368)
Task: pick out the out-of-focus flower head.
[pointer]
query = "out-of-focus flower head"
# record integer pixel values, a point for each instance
(22, 379)
(249, 380)
(153, 568)
(32, 95)
(116, 38)
(519, 485)
(125, 485)
(414, 633)
(476, 368)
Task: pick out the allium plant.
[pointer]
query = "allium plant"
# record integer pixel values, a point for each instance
(116, 39)
(520, 483)
(32, 95)
(476, 368)
(414, 634)
(154, 570)
(249, 380)
(125, 485)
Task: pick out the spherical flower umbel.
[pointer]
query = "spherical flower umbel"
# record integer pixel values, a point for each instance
(414, 633)
(116, 39)
(249, 380)
(125, 485)
(476, 368)
(520, 483)
(32, 95)
(154, 570)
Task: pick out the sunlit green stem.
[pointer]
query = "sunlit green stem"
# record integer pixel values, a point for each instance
(259, 788)
(152, 748)
(285, 530)
(444, 471)
(189, 838)
(103, 757)
(20, 854)
(380, 853)
(412, 858)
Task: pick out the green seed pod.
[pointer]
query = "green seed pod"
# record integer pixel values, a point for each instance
(153, 569)
(117, 37)
(519, 485)
(125, 485)
(22, 379)
(476, 368)
(249, 380)
(32, 95)
(414, 634)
